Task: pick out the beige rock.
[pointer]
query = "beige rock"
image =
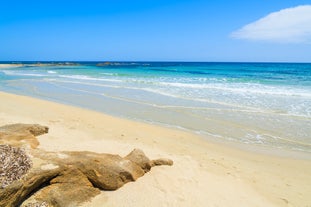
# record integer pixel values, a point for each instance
(138, 156)
(22, 134)
(70, 179)
(161, 161)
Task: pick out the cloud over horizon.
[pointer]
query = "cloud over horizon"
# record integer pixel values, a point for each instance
(291, 25)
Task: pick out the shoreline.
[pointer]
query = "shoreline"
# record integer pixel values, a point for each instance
(205, 173)
(251, 148)
(251, 112)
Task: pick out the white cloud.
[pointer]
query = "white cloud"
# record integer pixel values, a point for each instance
(291, 25)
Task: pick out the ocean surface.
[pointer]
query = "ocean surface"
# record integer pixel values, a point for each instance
(255, 104)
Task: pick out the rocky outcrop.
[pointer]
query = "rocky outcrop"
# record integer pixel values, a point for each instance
(63, 178)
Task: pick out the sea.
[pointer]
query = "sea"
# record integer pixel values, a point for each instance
(265, 105)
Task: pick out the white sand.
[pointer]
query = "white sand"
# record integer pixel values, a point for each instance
(10, 65)
(203, 174)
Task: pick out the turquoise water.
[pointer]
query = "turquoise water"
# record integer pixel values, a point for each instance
(258, 104)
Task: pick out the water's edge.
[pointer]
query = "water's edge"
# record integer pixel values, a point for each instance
(262, 106)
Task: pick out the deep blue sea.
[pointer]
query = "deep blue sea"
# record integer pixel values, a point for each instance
(258, 104)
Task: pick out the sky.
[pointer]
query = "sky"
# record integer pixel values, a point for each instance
(156, 30)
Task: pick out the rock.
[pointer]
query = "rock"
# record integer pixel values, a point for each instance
(14, 164)
(161, 161)
(22, 134)
(34, 129)
(66, 180)
(138, 156)
(105, 171)
(69, 188)
(18, 191)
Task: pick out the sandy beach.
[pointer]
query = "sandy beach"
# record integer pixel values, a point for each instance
(203, 174)
(10, 65)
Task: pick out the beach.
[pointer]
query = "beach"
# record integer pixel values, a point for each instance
(261, 105)
(155, 103)
(10, 65)
(203, 174)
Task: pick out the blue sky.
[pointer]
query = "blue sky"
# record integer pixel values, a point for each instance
(158, 30)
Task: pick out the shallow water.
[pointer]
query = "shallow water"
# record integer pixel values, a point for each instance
(262, 104)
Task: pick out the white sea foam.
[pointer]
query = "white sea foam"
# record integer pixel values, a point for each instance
(84, 77)
(253, 103)
(242, 88)
(83, 83)
(109, 74)
(19, 73)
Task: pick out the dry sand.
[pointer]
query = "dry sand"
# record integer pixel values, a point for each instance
(10, 65)
(203, 174)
